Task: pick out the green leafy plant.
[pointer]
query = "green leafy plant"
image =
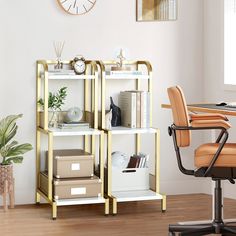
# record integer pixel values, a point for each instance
(55, 100)
(11, 151)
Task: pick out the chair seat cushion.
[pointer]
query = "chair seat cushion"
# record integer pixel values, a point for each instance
(205, 153)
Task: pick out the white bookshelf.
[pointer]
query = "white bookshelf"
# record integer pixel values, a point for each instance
(126, 130)
(139, 195)
(80, 201)
(73, 132)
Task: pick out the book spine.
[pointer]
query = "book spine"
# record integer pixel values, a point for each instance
(133, 110)
(126, 108)
(143, 109)
(138, 110)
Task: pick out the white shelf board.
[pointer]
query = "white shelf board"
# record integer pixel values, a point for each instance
(73, 132)
(126, 130)
(111, 77)
(79, 201)
(69, 76)
(138, 195)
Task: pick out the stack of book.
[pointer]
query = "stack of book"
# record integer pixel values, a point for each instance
(138, 161)
(74, 126)
(124, 72)
(135, 109)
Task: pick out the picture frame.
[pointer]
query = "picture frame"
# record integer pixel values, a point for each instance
(156, 10)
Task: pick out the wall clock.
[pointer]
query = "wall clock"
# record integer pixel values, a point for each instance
(77, 7)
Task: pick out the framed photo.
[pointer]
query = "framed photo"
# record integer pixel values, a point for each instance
(156, 10)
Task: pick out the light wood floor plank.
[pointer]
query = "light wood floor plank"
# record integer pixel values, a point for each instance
(134, 218)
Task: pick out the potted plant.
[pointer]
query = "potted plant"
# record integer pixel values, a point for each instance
(55, 102)
(10, 152)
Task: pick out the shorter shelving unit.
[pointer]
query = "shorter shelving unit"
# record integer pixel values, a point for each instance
(132, 194)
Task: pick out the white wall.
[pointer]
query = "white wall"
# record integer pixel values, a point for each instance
(214, 90)
(28, 29)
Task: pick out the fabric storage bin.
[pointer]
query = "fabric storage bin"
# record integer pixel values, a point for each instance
(72, 163)
(72, 187)
(130, 179)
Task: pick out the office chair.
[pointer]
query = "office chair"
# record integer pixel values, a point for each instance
(215, 160)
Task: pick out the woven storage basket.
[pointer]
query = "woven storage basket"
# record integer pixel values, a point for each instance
(6, 174)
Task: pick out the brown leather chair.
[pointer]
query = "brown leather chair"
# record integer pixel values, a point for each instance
(215, 160)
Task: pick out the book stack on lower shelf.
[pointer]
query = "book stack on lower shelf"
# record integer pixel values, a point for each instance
(138, 161)
(135, 109)
(73, 175)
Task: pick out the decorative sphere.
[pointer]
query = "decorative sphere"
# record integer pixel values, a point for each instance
(74, 114)
(119, 160)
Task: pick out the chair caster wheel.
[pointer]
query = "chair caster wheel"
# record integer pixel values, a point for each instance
(106, 214)
(54, 218)
(114, 214)
(171, 234)
(163, 211)
(37, 203)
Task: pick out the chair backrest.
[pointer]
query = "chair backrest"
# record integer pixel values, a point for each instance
(180, 115)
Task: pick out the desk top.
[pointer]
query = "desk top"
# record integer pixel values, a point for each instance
(208, 108)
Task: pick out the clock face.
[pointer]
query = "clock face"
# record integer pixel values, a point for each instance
(79, 67)
(77, 7)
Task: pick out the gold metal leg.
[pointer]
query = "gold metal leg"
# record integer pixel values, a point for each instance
(157, 163)
(114, 206)
(54, 211)
(107, 206)
(50, 165)
(109, 165)
(163, 203)
(37, 198)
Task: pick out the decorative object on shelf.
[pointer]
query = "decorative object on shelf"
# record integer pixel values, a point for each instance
(58, 47)
(11, 152)
(156, 10)
(78, 64)
(74, 114)
(119, 160)
(108, 119)
(55, 102)
(116, 114)
(77, 7)
(120, 64)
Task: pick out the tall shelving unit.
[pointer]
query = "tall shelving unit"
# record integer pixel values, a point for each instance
(138, 195)
(89, 135)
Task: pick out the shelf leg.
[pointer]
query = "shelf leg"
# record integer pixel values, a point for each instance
(163, 203)
(54, 211)
(107, 206)
(37, 198)
(114, 206)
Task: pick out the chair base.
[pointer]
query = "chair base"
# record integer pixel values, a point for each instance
(217, 226)
(202, 229)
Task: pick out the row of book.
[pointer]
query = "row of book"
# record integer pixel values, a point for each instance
(138, 161)
(126, 72)
(135, 109)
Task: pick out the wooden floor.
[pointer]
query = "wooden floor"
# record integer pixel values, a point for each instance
(134, 218)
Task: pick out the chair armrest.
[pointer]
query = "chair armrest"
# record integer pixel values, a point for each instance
(207, 116)
(210, 123)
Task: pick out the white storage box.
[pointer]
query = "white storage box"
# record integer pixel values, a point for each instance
(130, 179)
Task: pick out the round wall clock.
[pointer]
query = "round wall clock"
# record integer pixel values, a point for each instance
(77, 7)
